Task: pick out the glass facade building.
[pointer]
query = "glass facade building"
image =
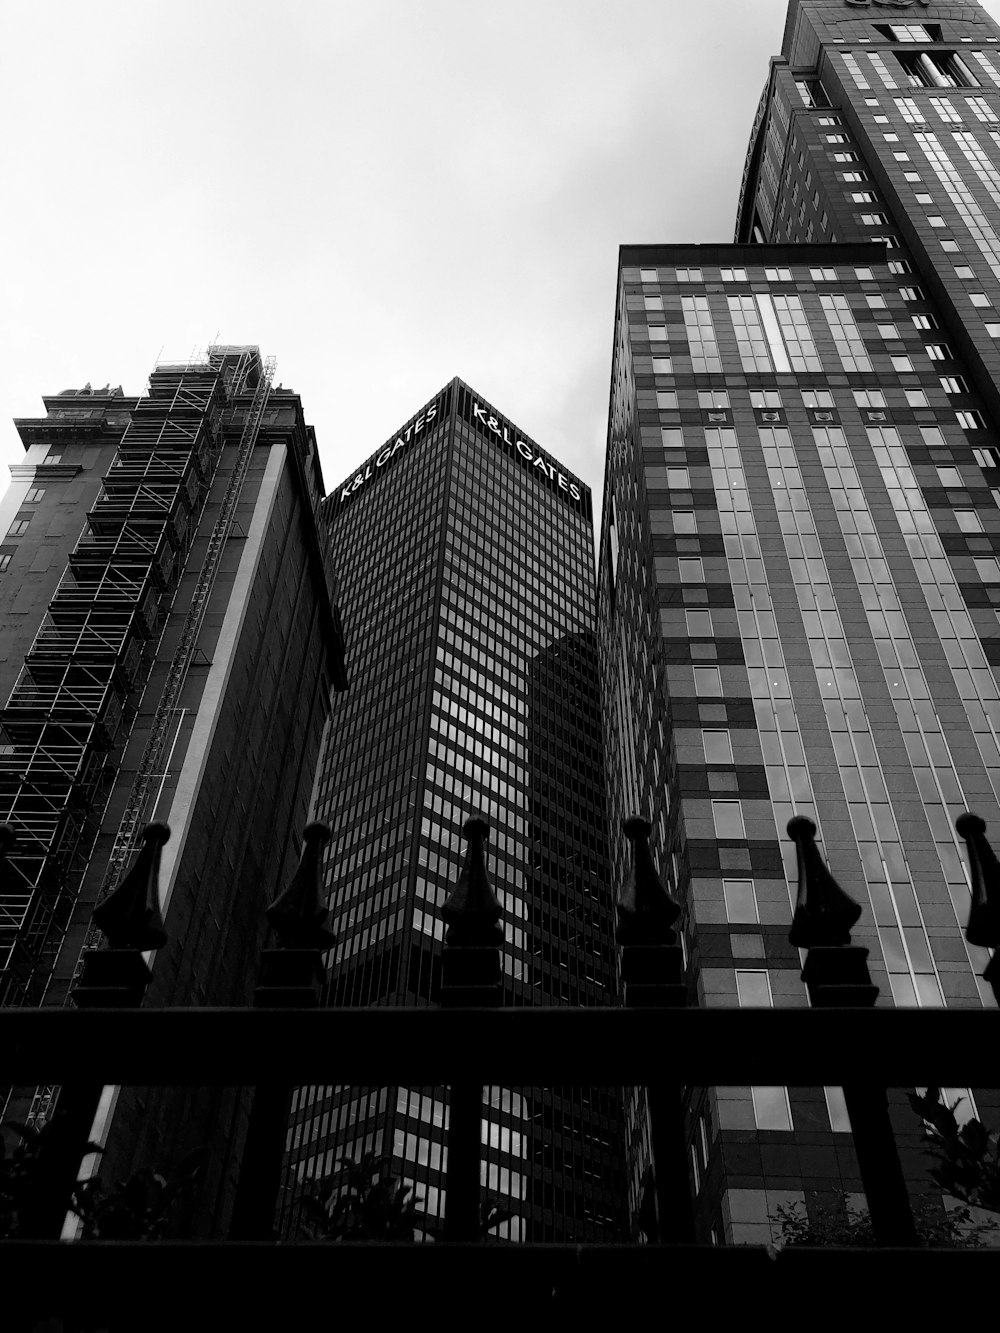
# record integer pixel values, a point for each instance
(799, 576)
(465, 561)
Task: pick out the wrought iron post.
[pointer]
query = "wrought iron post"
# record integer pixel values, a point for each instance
(292, 976)
(652, 969)
(836, 975)
(112, 977)
(470, 977)
(983, 927)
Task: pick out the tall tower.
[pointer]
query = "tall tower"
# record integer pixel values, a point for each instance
(170, 645)
(465, 559)
(799, 575)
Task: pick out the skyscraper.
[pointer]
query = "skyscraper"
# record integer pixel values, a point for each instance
(799, 583)
(170, 647)
(465, 559)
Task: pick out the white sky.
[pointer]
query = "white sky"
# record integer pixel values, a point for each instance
(382, 194)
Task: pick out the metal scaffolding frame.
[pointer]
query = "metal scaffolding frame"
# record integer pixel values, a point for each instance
(64, 728)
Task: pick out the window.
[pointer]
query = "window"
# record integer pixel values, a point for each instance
(840, 1121)
(672, 437)
(647, 275)
(741, 901)
(873, 219)
(53, 458)
(684, 521)
(708, 682)
(986, 457)
(836, 138)
(953, 384)
(830, 274)
(915, 398)
(718, 747)
(968, 520)
(778, 274)
(765, 398)
(817, 398)
(666, 398)
(699, 624)
(869, 398)
(988, 569)
(899, 266)
(753, 989)
(887, 331)
(733, 274)
(969, 420)
(709, 398)
(853, 177)
(864, 275)
(679, 478)
(950, 247)
(936, 220)
(691, 569)
(728, 818)
(963, 271)
(876, 302)
(910, 32)
(979, 299)
(34, 495)
(18, 527)
(5, 559)
(949, 476)
(654, 303)
(662, 365)
(689, 275)
(657, 333)
(938, 351)
(993, 330)
(911, 293)
(982, 109)
(901, 363)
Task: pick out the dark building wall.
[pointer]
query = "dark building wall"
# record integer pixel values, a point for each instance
(790, 623)
(237, 770)
(466, 565)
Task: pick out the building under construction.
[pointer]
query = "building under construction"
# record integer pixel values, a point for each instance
(170, 643)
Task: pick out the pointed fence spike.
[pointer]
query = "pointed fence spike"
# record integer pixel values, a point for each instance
(471, 910)
(983, 926)
(130, 917)
(298, 915)
(646, 910)
(824, 913)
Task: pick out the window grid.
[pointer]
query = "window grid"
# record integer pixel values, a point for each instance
(872, 816)
(961, 195)
(701, 334)
(846, 334)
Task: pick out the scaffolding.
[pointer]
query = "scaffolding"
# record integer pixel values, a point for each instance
(65, 726)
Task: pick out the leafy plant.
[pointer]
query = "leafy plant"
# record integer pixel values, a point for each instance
(968, 1157)
(359, 1200)
(140, 1208)
(24, 1167)
(840, 1223)
(367, 1200)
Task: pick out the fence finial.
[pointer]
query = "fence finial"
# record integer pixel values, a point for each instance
(471, 909)
(646, 911)
(824, 913)
(983, 926)
(130, 917)
(298, 915)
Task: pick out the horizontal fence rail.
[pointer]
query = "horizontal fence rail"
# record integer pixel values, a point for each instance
(539, 1047)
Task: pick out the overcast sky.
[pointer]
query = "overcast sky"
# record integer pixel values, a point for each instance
(382, 194)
